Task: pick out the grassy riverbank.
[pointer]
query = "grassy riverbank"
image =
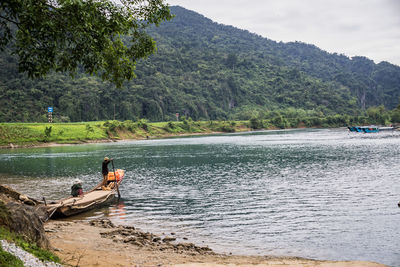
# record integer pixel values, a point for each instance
(33, 134)
(30, 134)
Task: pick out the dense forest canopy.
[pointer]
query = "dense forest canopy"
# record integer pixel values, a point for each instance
(206, 70)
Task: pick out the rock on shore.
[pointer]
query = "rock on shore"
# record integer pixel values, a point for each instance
(130, 235)
(22, 215)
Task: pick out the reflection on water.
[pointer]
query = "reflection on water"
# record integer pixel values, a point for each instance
(118, 211)
(325, 194)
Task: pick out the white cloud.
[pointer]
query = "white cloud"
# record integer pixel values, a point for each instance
(368, 28)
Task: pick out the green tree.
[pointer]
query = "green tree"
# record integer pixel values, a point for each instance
(377, 115)
(47, 133)
(256, 123)
(102, 37)
(280, 122)
(396, 115)
(231, 61)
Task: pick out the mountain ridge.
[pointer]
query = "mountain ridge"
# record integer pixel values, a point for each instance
(298, 55)
(207, 70)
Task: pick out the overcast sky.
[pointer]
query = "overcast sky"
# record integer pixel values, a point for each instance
(369, 28)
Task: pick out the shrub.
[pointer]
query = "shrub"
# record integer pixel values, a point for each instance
(280, 122)
(112, 125)
(227, 128)
(47, 133)
(142, 123)
(186, 125)
(170, 127)
(129, 125)
(89, 129)
(256, 123)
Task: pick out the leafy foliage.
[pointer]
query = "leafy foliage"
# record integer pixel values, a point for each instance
(66, 35)
(47, 132)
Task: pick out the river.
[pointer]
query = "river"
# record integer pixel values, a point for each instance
(322, 194)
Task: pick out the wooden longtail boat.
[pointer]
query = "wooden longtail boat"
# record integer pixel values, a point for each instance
(369, 129)
(94, 198)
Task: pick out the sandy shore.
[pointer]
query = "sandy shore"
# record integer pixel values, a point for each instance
(99, 243)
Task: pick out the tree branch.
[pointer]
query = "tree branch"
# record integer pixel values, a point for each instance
(9, 20)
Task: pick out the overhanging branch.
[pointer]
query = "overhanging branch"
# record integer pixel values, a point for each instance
(9, 20)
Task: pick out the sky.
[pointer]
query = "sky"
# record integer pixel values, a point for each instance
(369, 28)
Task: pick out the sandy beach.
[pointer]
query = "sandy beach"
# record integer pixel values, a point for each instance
(100, 243)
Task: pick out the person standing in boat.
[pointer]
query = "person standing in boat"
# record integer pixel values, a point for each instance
(105, 170)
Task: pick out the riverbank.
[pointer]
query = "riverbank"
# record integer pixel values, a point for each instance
(15, 135)
(100, 243)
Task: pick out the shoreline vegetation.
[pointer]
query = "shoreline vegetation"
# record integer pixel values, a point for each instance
(13, 135)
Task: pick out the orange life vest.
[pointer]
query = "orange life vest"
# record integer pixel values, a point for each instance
(119, 174)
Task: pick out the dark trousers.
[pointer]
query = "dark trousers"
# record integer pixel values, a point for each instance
(105, 178)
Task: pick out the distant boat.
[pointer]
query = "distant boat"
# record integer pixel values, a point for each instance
(369, 129)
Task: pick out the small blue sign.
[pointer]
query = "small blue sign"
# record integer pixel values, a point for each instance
(50, 109)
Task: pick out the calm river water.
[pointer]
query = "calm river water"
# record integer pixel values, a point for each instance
(322, 194)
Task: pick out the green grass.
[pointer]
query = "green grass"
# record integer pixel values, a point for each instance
(65, 132)
(6, 259)
(34, 133)
(42, 254)
(69, 133)
(9, 260)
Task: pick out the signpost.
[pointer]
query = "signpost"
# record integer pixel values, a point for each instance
(50, 114)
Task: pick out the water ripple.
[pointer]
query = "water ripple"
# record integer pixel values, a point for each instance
(325, 194)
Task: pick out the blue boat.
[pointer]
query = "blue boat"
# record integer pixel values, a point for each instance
(355, 129)
(368, 129)
(363, 129)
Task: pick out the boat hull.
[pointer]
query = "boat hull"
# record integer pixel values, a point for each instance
(66, 211)
(95, 198)
(369, 129)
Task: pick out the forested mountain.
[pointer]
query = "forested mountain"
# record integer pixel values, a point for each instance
(207, 70)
